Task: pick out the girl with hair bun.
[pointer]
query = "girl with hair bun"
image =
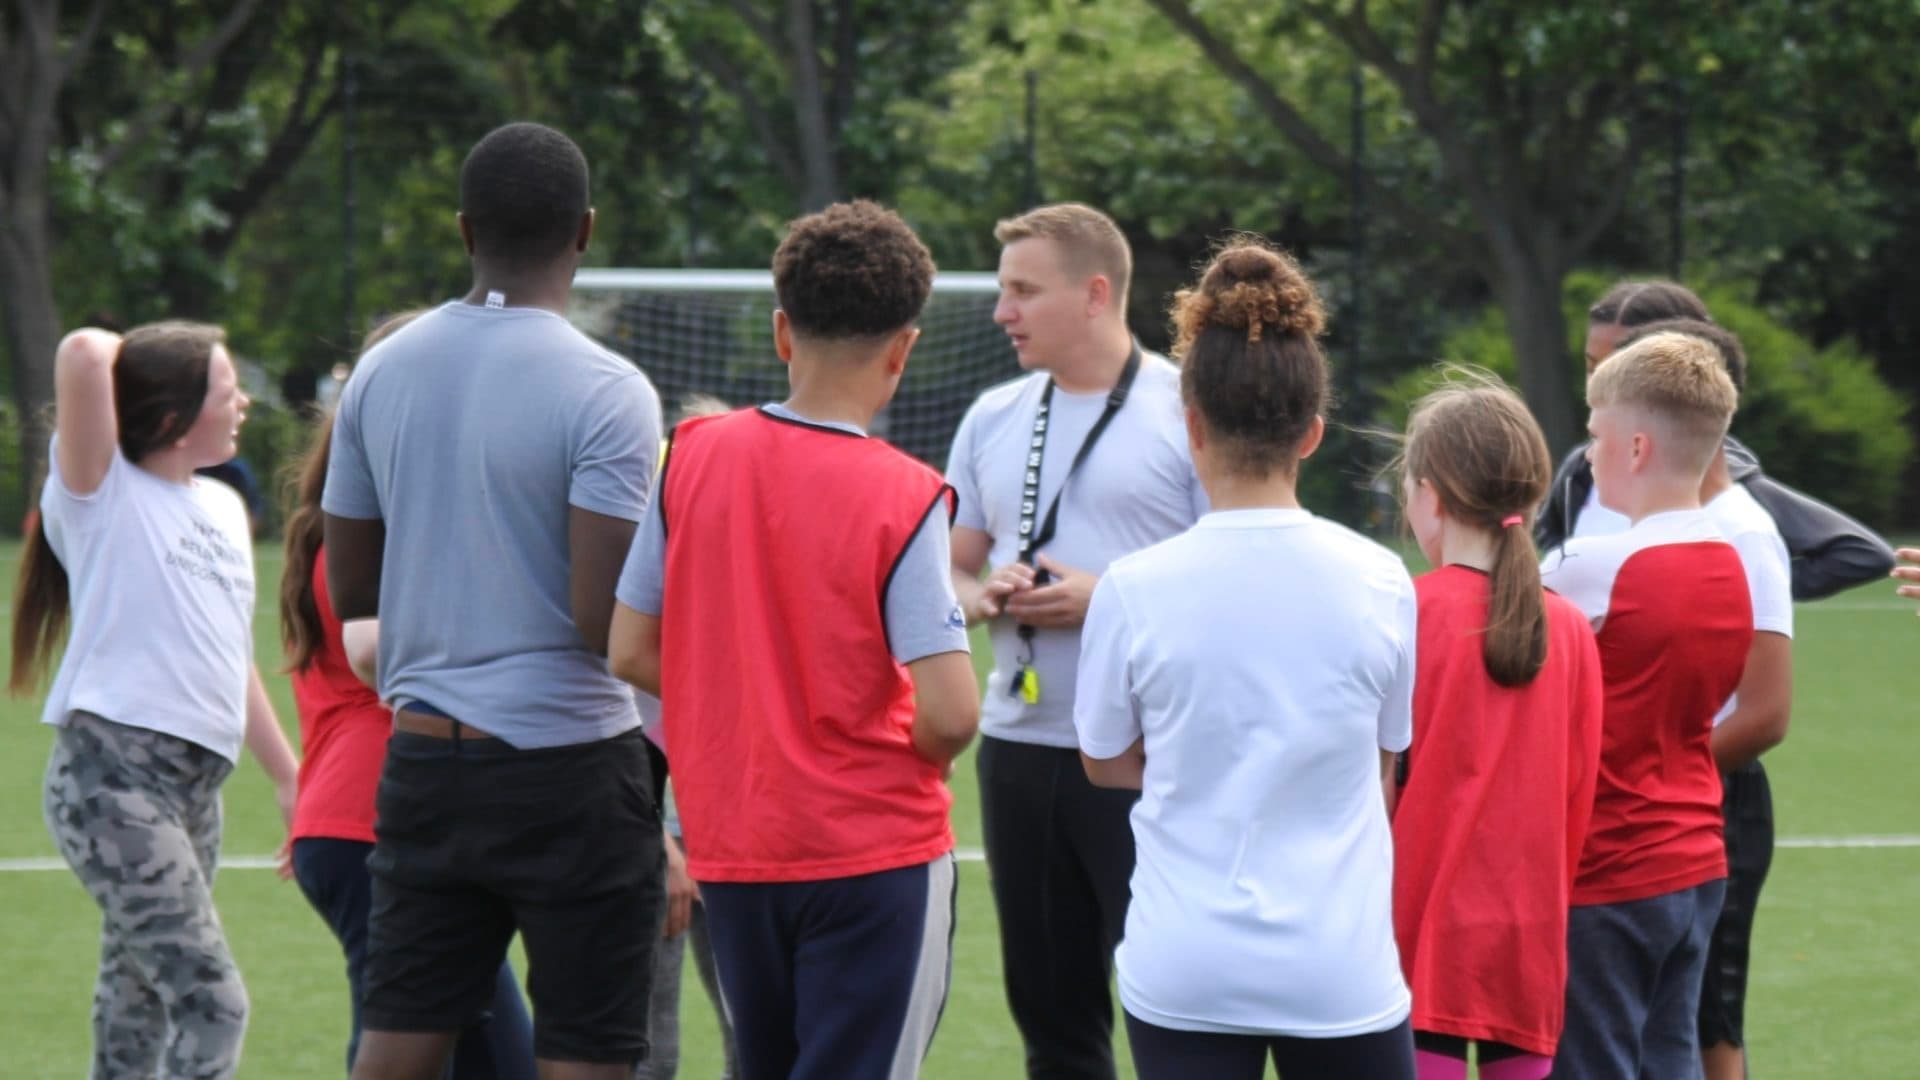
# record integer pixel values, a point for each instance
(1253, 678)
(1507, 702)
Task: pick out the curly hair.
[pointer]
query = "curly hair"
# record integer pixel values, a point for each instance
(1246, 336)
(853, 270)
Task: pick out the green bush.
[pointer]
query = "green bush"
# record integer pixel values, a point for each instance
(1821, 420)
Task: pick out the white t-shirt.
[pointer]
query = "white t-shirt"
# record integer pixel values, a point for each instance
(161, 585)
(1267, 657)
(1763, 555)
(1137, 487)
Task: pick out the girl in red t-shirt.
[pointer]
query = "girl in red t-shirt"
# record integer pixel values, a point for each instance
(343, 737)
(1498, 784)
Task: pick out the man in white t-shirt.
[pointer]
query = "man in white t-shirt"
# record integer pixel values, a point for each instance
(1058, 473)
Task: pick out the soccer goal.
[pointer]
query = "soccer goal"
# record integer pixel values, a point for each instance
(711, 332)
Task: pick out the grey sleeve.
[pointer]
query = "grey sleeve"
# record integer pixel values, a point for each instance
(923, 614)
(964, 478)
(616, 448)
(643, 578)
(349, 490)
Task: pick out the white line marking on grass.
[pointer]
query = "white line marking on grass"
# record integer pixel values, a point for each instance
(1848, 842)
(267, 862)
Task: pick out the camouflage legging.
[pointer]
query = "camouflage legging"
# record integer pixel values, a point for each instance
(137, 815)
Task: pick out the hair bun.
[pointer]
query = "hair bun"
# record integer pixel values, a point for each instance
(1251, 286)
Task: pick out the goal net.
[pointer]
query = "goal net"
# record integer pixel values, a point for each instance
(711, 332)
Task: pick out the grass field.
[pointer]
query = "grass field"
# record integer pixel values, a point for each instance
(1836, 984)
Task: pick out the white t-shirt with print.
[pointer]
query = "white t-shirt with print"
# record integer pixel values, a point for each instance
(1763, 555)
(1137, 487)
(1266, 657)
(161, 584)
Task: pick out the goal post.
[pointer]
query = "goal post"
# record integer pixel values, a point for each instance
(711, 332)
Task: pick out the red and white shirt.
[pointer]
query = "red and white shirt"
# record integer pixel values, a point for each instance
(1669, 604)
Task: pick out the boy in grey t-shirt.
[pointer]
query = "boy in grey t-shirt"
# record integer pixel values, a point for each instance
(488, 465)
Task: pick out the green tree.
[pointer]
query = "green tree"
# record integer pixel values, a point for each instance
(1533, 118)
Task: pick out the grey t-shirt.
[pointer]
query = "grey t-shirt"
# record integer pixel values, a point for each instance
(923, 615)
(1136, 488)
(470, 432)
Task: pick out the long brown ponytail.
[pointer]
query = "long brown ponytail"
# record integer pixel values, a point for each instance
(1475, 442)
(306, 479)
(159, 385)
(300, 626)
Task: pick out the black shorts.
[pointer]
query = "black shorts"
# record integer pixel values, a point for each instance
(1747, 802)
(476, 840)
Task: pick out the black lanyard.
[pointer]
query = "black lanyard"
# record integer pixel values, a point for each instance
(1032, 539)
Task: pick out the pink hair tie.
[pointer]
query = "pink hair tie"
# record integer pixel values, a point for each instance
(1511, 520)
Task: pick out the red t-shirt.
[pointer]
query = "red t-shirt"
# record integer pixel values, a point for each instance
(1488, 829)
(789, 723)
(343, 735)
(1674, 621)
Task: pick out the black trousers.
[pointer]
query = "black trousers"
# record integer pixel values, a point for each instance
(1747, 803)
(1060, 853)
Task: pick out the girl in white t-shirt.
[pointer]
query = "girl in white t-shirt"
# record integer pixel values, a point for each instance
(1253, 677)
(157, 690)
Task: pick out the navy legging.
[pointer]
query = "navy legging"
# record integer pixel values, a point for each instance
(333, 875)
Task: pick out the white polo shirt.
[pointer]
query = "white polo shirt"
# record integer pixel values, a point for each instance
(1267, 657)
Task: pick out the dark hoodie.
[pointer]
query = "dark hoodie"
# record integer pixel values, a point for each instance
(1830, 550)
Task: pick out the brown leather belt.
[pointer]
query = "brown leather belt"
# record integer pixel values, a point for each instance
(438, 727)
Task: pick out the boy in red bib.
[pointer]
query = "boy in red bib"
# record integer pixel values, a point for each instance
(789, 600)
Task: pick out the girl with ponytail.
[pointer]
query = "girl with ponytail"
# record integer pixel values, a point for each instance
(1253, 677)
(1506, 744)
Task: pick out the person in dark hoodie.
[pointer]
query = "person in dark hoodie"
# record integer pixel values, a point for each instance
(1829, 550)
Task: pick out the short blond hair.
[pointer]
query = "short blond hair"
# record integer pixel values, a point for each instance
(1088, 240)
(1679, 382)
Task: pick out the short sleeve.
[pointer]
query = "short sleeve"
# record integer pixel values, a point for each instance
(59, 503)
(1396, 711)
(643, 578)
(350, 491)
(963, 474)
(923, 614)
(1581, 571)
(1769, 580)
(616, 446)
(1105, 711)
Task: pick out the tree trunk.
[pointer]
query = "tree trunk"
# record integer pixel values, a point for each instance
(815, 139)
(1529, 295)
(32, 333)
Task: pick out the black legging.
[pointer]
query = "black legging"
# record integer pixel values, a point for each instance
(1164, 1054)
